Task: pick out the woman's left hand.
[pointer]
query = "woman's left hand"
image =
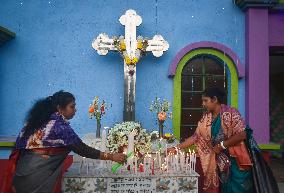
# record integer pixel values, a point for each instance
(217, 148)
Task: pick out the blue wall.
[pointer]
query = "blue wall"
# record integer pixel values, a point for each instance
(52, 51)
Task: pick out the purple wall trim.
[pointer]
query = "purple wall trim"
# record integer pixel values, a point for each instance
(257, 73)
(206, 44)
(276, 28)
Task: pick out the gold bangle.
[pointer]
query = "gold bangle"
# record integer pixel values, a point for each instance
(105, 156)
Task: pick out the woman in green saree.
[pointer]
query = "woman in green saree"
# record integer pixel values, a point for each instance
(219, 139)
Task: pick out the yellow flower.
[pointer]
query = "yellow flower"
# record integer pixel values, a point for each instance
(139, 44)
(134, 60)
(122, 46)
(127, 60)
(168, 135)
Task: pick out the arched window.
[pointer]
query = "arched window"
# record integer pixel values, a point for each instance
(198, 73)
(195, 67)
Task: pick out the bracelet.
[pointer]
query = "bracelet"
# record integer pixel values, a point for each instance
(222, 145)
(106, 156)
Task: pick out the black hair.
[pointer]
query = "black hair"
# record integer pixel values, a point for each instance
(217, 92)
(41, 111)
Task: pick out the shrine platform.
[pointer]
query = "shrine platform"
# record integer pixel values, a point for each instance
(102, 180)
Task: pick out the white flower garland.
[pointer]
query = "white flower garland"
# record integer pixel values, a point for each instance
(118, 137)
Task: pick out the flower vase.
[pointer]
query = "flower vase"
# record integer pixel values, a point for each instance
(98, 132)
(161, 128)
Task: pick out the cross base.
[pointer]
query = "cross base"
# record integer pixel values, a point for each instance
(128, 115)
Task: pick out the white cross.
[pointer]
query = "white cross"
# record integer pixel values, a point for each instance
(157, 45)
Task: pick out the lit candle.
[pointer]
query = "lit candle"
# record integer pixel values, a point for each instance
(187, 162)
(182, 161)
(194, 160)
(191, 162)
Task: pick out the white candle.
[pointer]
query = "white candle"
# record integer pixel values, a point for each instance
(81, 165)
(135, 167)
(149, 164)
(194, 160)
(191, 162)
(167, 163)
(176, 162)
(146, 162)
(131, 142)
(104, 139)
(87, 166)
(187, 163)
(166, 158)
(130, 147)
(182, 159)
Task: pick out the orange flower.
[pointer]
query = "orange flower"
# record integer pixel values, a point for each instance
(91, 109)
(162, 116)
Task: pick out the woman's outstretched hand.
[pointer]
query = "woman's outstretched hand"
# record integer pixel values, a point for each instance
(119, 157)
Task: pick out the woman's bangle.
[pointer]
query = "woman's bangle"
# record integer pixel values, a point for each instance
(222, 145)
(107, 156)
